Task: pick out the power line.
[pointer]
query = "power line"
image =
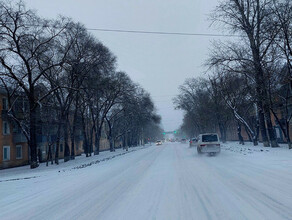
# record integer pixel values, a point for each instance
(161, 32)
(144, 32)
(163, 96)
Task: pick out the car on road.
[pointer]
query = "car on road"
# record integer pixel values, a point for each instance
(208, 143)
(158, 143)
(193, 142)
(183, 140)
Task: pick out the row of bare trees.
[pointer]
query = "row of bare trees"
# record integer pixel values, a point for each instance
(61, 82)
(204, 108)
(252, 73)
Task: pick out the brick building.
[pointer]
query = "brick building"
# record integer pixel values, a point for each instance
(13, 147)
(14, 150)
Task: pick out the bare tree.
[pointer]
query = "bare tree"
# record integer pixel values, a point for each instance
(203, 106)
(251, 19)
(27, 52)
(238, 96)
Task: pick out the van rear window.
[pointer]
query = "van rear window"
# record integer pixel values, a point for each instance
(209, 138)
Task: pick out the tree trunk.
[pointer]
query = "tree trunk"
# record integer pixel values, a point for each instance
(254, 39)
(222, 133)
(32, 135)
(261, 116)
(262, 126)
(73, 131)
(271, 131)
(97, 141)
(66, 137)
(257, 132)
(85, 143)
(72, 148)
(127, 140)
(73, 144)
(248, 134)
(240, 138)
(124, 141)
(110, 137)
(286, 130)
(49, 156)
(111, 144)
(58, 144)
(91, 140)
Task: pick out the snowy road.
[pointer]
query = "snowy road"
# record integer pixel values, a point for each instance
(166, 182)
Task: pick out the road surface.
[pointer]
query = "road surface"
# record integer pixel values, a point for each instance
(158, 182)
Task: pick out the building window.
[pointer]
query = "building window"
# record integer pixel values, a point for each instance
(4, 104)
(18, 152)
(6, 129)
(16, 128)
(61, 147)
(6, 153)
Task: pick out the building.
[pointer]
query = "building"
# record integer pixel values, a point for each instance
(14, 149)
(13, 145)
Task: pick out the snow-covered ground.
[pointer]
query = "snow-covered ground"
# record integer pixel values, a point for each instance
(82, 161)
(155, 182)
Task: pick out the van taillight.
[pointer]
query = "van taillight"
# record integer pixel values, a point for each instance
(203, 145)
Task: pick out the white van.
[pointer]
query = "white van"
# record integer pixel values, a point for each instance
(158, 142)
(208, 143)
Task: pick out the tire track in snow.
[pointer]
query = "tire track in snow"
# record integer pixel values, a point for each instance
(245, 192)
(89, 197)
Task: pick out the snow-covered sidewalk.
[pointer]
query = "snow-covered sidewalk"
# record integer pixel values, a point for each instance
(249, 148)
(24, 172)
(280, 155)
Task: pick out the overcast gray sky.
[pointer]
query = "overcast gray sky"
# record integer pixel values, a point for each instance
(159, 63)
